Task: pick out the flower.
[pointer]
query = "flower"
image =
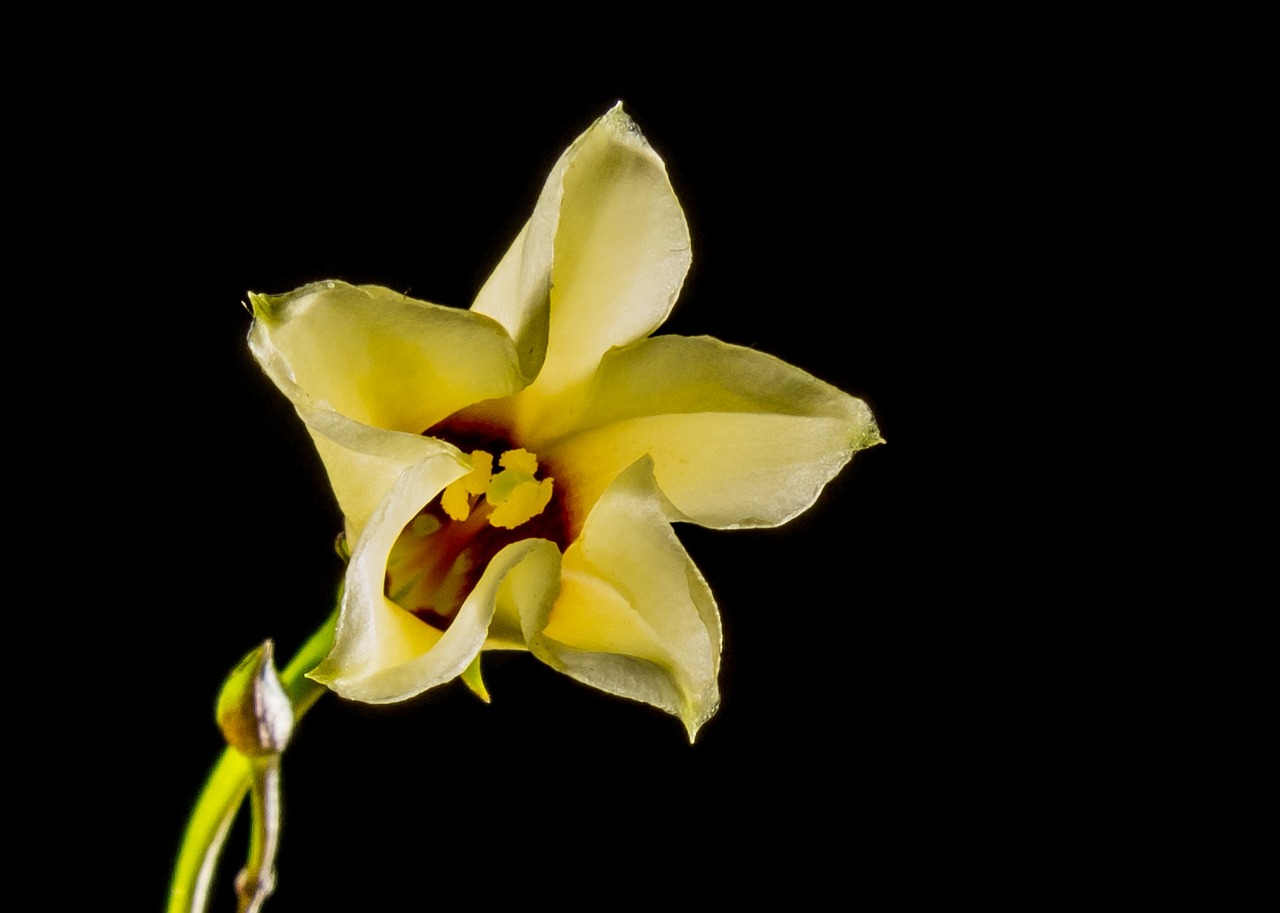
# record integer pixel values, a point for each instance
(509, 474)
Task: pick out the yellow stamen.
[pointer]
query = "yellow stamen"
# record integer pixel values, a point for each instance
(503, 484)
(514, 494)
(526, 501)
(456, 499)
(519, 460)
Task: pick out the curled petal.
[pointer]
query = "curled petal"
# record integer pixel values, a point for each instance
(598, 265)
(526, 595)
(376, 642)
(383, 654)
(738, 438)
(633, 616)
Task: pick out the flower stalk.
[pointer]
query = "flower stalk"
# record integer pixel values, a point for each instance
(257, 879)
(228, 783)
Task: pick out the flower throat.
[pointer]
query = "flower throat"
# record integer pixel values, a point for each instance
(441, 554)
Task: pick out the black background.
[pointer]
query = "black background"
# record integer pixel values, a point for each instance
(947, 213)
(824, 211)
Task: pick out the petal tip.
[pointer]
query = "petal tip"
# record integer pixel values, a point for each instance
(263, 307)
(870, 435)
(621, 126)
(694, 722)
(274, 308)
(322, 675)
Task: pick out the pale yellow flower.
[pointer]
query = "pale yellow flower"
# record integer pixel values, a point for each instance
(509, 474)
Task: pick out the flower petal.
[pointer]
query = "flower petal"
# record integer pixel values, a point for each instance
(606, 251)
(738, 438)
(383, 653)
(379, 357)
(633, 616)
(368, 370)
(526, 594)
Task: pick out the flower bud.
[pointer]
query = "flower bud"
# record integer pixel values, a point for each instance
(254, 712)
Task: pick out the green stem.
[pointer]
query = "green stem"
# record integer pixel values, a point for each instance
(228, 783)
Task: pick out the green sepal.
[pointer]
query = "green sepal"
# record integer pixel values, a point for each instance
(471, 678)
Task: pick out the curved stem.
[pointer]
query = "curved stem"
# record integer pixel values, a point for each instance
(228, 783)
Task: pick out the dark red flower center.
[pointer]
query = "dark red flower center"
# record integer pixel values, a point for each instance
(442, 553)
